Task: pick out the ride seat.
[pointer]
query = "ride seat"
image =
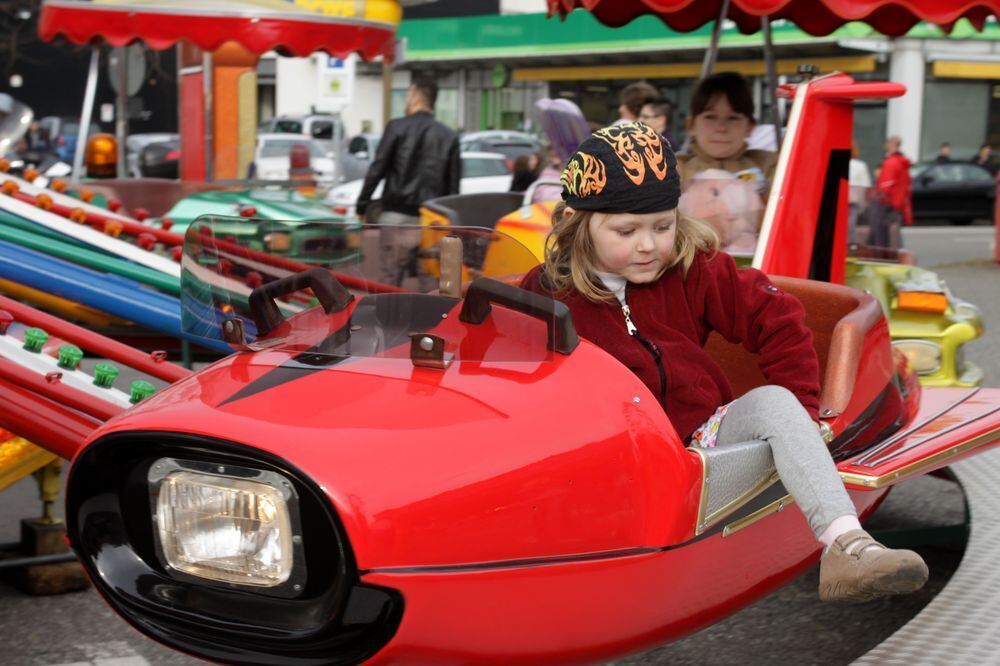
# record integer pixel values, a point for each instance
(475, 210)
(481, 210)
(839, 318)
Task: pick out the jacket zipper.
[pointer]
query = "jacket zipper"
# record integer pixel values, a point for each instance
(652, 348)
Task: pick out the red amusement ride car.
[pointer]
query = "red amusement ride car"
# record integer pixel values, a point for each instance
(452, 476)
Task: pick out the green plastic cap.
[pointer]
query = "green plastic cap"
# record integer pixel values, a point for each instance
(34, 339)
(70, 357)
(105, 375)
(141, 390)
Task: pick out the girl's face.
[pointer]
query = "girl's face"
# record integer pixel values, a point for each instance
(719, 130)
(637, 247)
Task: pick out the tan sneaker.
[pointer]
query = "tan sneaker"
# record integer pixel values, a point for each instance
(858, 568)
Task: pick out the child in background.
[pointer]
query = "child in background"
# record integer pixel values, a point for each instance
(719, 123)
(648, 286)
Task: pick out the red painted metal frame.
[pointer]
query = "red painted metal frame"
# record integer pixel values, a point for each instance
(292, 35)
(816, 17)
(95, 342)
(50, 425)
(974, 420)
(827, 113)
(98, 221)
(14, 374)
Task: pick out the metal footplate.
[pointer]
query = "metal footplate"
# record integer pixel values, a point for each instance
(950, 629)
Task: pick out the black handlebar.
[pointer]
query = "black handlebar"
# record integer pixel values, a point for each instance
(332, 296)
(557, 317)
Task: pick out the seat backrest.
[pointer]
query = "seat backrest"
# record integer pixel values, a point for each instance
(476, 210)
(839, 318)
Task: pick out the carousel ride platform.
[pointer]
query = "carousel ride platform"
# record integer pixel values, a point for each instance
(952, 628)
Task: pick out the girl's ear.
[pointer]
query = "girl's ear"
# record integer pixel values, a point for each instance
(689, 122)
(567, 211)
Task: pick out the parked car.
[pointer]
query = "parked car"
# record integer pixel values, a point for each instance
(959, 192)
(323, 126)
(63, 131)
(358, 156)
(481, 172)
(161, 159)
(272, 157)
(135, 145)
(509, 143)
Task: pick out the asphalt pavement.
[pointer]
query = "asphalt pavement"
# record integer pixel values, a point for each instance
(78, 629)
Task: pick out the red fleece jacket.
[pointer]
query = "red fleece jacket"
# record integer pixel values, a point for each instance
(675, 315)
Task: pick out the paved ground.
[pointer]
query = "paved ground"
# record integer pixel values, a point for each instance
(79, 630)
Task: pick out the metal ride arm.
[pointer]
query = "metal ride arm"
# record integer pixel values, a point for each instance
(151, 364)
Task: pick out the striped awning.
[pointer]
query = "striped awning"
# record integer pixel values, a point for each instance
(817, 17)
(291, 27)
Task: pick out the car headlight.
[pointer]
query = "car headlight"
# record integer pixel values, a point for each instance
(924, 356)
(224, 523)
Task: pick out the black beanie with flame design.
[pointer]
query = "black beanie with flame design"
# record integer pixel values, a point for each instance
(626, 168)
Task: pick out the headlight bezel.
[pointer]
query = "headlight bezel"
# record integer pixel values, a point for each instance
(336, 617)
(161, 469)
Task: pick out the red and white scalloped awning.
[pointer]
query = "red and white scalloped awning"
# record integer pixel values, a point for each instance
(817, 17)
(292, 27)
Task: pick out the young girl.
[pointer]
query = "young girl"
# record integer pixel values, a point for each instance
(719, 123)
(648, 287)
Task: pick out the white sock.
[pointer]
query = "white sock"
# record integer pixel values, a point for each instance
(839, 526)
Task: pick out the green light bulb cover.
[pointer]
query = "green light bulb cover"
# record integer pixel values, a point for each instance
(105, 375)
(70, 357)
(34, 339)
(140, 390)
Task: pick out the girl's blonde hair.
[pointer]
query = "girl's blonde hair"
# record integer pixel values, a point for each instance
(571, 262)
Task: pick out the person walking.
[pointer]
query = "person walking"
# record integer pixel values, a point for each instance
(859, 182)
(418, 158)
(891, 204)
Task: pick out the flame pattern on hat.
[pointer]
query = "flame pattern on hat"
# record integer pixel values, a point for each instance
(584, 175)
(636, 146)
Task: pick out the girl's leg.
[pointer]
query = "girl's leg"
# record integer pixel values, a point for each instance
(854, 566)
(773, 414)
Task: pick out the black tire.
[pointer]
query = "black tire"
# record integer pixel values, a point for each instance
(962, 222)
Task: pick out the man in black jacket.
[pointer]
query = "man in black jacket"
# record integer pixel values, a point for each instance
(419, 159)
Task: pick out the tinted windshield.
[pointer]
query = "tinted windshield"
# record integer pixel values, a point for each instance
(229, 264)
(282, 147)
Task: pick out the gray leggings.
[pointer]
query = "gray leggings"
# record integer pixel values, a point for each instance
(773, 414)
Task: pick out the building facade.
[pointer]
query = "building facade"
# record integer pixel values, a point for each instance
(492, 67)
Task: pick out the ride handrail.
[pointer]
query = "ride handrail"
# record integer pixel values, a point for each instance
(332, 295)
(562, 337)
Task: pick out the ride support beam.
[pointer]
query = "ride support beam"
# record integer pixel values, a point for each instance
(49, 425)
(51, 388)
(95, 343)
